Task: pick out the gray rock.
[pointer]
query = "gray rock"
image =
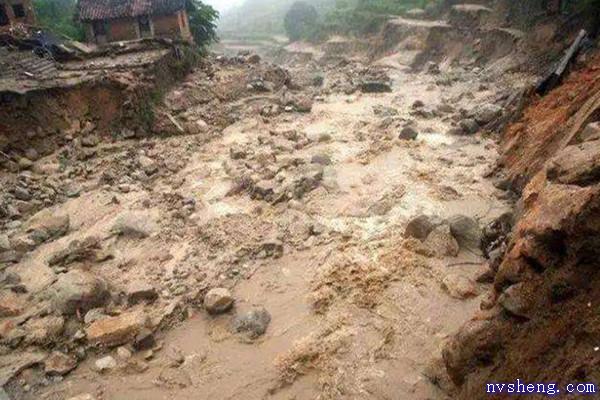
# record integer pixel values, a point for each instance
(149, 166)
(591, 132)
(408, 133)
(144, 340)
(140, 224)
(469, 126)
(22, 194)
(420, 226)
(24, 163)
(78, 290)
(218, 300)
(321, 159)
(515, 301)
(237, 152)
(94, 315)
(254, 322)
(139, 290)
(90, 141)
(4, 243)
(375, 87)
(459, 287)
(105, 364)
(466, 231)
(487, 113)
(441, 242)
(32, 154)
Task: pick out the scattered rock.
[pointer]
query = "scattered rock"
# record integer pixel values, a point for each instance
(93, 315)
(44, 331)
(144, 340)
(408, 133)
(418, 104)
(139, 224)
(487, 113)
(441, 242)
(24, 163)
(237, 153)
(78, 290)
(124, 353)
(515, 301)
(420, 226)
(254, 322)
(375, 87)
(469, 126)
(321, 159)
(149, 166)
(113, 331)
(4, 243)
(218, 300)
(76, 251)
(90, 141)
(85, 396)
(14, 362)
(140, 290)
(459, 287)
(591, 132)
(11, 304)
(105, 364)
(59, 364)
(49, 224)
(467, 232)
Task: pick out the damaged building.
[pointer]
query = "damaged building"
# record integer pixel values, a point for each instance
(16, 12)
(120, 20)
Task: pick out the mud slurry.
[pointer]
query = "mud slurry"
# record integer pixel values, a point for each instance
(302, 214)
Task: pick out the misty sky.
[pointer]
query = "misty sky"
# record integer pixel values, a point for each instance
(223, 5)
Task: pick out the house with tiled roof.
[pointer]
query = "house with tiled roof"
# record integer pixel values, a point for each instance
(121, 20)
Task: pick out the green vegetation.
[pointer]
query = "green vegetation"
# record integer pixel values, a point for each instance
(301, 21)
(58, 16)
(203, 22)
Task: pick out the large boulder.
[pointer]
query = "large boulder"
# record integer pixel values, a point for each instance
(467, 232)
(441, 242)
(421, 225)
(78, 290)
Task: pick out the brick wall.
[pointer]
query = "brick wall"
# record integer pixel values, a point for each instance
(122, 29)
(166, 25)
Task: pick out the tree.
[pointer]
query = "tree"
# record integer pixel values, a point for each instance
(59, 16)
(301, 21)
(203, 22)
